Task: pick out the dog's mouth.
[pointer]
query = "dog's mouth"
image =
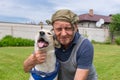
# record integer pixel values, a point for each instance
(42, 43)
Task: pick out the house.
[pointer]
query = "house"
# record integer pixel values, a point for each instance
(94, 27)
(90, 19)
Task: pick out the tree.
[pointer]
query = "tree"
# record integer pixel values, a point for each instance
(114, 25)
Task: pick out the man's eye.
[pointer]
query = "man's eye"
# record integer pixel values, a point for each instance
(58, 29)
(68, 29)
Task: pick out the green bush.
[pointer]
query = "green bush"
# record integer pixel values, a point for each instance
(14, 41)
(117, 40)
(95, 42)
(106, 42)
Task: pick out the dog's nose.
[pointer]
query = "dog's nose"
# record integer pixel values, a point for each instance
(42, 33)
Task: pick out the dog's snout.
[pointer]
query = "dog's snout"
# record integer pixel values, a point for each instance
(42, 33)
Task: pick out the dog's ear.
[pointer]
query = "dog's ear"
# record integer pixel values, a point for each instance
(56, 43)
(52, 31)
(48, 22)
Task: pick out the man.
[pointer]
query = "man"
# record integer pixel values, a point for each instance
(75, 53)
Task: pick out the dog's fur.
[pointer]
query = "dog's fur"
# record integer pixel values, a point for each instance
(49, 65)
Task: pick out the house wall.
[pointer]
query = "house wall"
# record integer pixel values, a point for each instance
(92, 25)
(29, 31)
(87, 24)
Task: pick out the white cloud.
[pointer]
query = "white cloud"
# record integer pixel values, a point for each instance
(99, 6)
(42, 10)
(10, 8)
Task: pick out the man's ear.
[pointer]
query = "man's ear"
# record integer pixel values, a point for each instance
(56, 43)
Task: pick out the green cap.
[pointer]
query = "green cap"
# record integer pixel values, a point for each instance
(65, 15)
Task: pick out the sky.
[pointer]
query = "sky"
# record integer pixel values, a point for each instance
(35, 11)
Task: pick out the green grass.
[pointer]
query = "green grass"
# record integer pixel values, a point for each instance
(106, 60)
(11, 62)
(107, 63)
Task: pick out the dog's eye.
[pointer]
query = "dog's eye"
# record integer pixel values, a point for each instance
(49, 33)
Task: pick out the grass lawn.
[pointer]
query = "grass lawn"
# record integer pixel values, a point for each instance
(106, 60)
(11, 62)
(107, 63)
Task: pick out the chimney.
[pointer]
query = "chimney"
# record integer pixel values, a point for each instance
(91, 12)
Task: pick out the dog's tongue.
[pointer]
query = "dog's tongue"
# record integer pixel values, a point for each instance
(42, 44)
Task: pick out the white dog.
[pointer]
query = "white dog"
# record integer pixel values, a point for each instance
(49, 69)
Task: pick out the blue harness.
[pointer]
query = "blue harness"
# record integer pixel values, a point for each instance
(47, 76)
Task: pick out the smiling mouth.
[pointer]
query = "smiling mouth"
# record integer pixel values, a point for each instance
(42, 43)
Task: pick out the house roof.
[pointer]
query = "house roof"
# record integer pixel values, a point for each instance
(94, 17)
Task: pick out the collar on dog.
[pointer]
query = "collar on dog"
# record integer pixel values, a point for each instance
(39, 75)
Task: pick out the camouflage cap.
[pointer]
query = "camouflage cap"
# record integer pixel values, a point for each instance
(65, 15)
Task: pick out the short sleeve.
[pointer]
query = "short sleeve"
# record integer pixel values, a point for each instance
(85, 55)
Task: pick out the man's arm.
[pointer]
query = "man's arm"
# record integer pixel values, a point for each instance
(36, 58)
(84, 60)
(81, 74)
(29, 63)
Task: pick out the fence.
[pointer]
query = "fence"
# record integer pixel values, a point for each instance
(96, 34)
(20, 30)
(29, 31)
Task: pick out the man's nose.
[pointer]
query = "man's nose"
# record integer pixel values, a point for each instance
(42, 33)
(63, 32)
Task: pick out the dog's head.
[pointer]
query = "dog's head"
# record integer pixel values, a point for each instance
(44, 39)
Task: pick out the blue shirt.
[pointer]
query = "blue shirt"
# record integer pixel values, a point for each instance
(84, 54)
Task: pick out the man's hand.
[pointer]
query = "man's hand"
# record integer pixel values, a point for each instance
(40, 57)
(37, 58)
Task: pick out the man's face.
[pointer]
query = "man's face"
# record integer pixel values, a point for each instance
(64, 32)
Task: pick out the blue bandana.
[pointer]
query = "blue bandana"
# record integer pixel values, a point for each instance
(47, 76)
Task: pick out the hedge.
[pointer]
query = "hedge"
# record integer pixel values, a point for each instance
(15, 41)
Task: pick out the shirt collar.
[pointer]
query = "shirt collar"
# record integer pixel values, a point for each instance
(76, 37)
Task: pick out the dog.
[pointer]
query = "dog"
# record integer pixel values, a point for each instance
(48, 70)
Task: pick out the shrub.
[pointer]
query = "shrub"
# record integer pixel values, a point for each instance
(106, 42)
(117, 40)
(95, 42)
(14, 41)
